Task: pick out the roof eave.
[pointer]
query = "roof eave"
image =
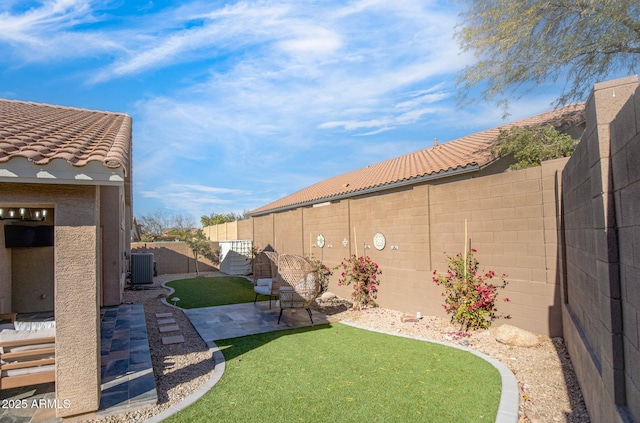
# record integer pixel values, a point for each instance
(59, 171)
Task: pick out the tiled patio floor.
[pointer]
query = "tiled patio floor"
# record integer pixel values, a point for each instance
(126, 370)
(231, 321)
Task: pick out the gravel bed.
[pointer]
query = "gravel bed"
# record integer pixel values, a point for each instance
(549, 390)
(179, 369)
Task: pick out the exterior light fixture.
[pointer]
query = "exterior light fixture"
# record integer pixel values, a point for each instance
(23, 213)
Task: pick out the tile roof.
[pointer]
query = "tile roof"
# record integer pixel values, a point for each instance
(468, 153)
(41, 133)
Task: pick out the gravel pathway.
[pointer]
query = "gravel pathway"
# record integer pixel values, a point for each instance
(549, 391)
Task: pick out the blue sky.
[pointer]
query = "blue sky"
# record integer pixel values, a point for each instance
(237, 104)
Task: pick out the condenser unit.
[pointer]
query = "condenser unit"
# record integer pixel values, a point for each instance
(141, 268)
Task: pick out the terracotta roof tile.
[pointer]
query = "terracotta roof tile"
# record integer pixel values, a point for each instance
(41, 133)
(472, 151)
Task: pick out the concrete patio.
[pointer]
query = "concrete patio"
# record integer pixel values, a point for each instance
(231, 321)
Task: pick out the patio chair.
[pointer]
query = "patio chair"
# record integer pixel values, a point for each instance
(299, 283)
(265, 269)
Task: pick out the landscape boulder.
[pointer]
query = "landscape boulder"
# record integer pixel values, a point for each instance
(511, 335)
(328, 296)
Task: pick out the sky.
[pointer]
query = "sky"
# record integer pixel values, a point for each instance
(236, 104)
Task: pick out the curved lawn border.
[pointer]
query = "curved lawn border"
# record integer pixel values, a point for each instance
(509, 396)
(171, 291)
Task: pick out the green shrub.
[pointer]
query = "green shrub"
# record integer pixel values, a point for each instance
(470, 298)
(363, 274)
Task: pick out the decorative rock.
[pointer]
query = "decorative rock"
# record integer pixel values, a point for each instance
(511, 335)
(328, 296)
(408, 318)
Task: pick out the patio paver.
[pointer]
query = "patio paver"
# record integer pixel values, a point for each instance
(232, 321)
(176, 339)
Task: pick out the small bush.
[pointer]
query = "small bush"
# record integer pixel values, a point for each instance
(470, 298)
(363, 274)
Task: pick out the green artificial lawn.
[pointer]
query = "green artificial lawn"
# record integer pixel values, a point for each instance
(337, 373)
(216, 291)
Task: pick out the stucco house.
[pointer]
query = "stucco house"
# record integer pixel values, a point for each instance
(66, 171)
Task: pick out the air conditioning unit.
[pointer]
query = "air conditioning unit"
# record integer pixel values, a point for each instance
(141, 268)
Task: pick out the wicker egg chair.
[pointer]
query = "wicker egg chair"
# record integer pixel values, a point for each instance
(298, 283)
(265, 269)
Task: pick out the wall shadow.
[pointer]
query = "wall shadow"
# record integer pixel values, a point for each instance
(168, 260)
(578, 413)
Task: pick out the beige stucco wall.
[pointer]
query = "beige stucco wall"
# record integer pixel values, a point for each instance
(26, 274)
(77, 281)
(33, 287)
(112, 225)
(77, 300)
(601, 186)
(29, 290)
(5, 274)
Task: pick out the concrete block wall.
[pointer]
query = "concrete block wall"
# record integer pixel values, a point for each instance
(511, 222)
(402, 217)
(263, 231)
(174, 257)
(245, 229)
(625, 150)
(287, 229)
(332, 221)
(601, 205)
(222, 232)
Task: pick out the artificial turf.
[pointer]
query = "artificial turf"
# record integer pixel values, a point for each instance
(334, 372)
(213, 291)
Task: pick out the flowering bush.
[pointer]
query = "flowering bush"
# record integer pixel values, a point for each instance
(323, 274)
(470, 298)
(363, 274)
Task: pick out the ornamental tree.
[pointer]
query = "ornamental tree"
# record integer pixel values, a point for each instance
(523, 44)
(531, 145)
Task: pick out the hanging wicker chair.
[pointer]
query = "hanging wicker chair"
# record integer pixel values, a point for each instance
(265, 269)
(298, 283)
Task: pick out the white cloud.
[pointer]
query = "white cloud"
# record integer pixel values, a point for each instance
(194, 199)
